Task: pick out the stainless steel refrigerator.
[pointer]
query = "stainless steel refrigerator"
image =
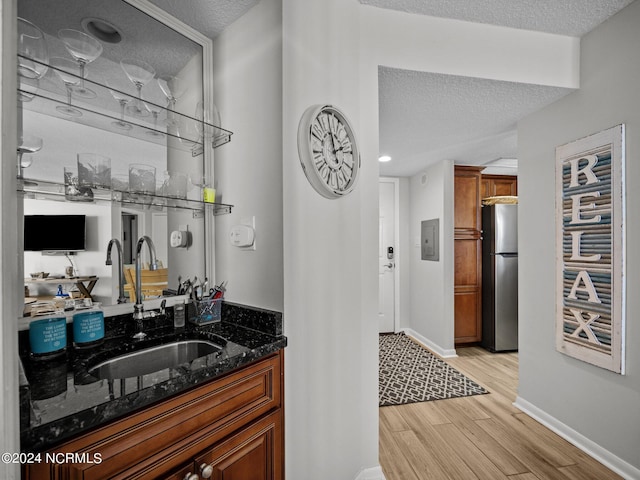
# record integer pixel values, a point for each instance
(500, 277)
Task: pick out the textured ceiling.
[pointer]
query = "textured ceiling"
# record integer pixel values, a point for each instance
(141, 35)
(428, 117)
(424, 117)
(564, 17)
(209, 17)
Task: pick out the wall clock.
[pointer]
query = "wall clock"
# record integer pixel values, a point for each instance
(328, 151)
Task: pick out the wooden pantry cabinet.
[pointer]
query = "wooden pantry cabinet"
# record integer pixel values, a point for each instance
(470, 187)
(230, 428)
(468, 255)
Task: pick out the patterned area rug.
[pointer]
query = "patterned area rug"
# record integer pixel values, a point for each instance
(410, 373)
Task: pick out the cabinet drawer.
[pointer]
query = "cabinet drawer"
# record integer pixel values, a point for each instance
(167, 435)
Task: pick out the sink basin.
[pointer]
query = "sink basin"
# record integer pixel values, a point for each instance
(154, 359)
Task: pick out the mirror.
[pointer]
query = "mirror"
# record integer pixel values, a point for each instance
(131, 99)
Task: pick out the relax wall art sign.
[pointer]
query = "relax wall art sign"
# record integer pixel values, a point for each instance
(590, 249)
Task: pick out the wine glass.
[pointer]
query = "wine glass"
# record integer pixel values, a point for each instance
(62, 66)
(139, 73)
(122, 99)
(32, 56)
(84, 49)
(207, 125)
(154, 110)
(173, 88)
(27, 144)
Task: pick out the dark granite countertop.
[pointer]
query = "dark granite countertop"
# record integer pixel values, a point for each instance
(60, 398)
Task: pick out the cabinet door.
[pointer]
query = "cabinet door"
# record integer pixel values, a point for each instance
(467, 291)
(467, 249)
(254, 453)
(486, 188)
(466, 200)
(498, 185)
(505, 186)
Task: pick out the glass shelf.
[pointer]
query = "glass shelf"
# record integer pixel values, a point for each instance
(188, 133)
(56, 191)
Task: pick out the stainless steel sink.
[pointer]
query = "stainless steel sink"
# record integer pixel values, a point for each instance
(154, 359)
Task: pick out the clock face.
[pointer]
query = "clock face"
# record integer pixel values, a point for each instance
(328, 151)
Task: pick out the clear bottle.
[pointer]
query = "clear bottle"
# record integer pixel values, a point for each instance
(179, 314)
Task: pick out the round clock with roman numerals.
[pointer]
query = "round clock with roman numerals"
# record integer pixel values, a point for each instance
(328, 151)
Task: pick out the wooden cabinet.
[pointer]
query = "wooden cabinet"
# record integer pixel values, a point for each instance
(468, 255)
(498, 185)
(470, 187)
(230, 428)
(248, 455)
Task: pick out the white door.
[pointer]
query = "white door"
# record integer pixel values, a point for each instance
(386, 249)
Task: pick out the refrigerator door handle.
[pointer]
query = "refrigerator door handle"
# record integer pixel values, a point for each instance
(509, 255)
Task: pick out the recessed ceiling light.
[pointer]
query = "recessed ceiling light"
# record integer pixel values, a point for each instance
(102, 30)
(384, 158)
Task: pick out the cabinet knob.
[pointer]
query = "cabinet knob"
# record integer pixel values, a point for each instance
(191, 476)
(206, 470)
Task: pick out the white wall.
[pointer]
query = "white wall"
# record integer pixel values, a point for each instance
(248, 171)
(600, 405)
(431, 282)
(330, 276)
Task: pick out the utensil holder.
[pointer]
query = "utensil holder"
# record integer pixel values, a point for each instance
(208, 310)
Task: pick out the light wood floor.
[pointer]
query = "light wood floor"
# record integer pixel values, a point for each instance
(478, 437)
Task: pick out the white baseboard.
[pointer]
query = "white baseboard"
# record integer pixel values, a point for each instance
(374, 473)
(443, 352)
(608, 459)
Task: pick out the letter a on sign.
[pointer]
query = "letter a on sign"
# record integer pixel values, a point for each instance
(590, 288)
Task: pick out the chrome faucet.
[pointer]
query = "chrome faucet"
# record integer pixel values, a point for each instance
(116, 242)
(138, 309)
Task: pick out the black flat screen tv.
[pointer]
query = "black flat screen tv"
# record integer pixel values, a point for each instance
(54, 233)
